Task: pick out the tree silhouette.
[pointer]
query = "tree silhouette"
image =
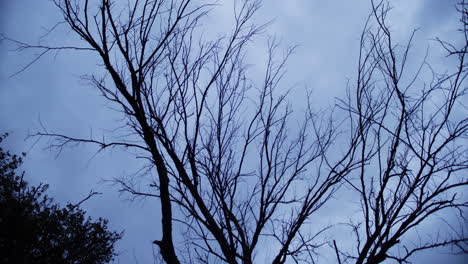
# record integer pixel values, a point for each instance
(234, 168)
(35, 230)
(413, 144)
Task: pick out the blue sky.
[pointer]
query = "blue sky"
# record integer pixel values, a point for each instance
(327, 35)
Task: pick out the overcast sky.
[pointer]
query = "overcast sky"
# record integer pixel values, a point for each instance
(326, 32)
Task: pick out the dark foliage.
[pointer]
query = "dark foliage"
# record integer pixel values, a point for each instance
(35, 230)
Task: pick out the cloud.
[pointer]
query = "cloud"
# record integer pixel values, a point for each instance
(327, 35)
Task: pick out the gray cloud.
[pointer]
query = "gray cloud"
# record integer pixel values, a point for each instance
(327, 33)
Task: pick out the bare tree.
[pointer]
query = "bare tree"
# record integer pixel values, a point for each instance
(413, 147)
(222, 144)
(235, 167)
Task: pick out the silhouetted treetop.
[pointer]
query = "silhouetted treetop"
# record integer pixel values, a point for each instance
(33, 229)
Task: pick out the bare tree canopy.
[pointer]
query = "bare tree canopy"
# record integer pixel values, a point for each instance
(412, 144)
(236, 169)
